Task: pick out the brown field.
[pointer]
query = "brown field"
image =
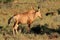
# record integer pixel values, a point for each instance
(8, 8)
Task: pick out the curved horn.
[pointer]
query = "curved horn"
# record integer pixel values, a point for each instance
(31, 7)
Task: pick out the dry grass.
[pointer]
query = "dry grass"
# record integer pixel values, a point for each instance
(6, 11)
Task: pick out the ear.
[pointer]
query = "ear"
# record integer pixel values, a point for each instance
(38, 7)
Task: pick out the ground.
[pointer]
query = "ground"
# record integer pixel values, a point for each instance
(47, 6)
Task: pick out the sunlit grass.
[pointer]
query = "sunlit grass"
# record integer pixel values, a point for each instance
(46, 6)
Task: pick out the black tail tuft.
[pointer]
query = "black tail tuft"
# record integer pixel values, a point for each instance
(9, 20)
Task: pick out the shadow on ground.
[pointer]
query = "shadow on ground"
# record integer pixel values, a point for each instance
(41, 29)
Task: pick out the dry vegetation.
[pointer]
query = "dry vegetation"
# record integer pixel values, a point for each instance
(10, 7)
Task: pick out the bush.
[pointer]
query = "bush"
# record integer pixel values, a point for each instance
(6, 1)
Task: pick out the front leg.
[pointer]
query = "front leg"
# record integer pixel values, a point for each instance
(28, 28)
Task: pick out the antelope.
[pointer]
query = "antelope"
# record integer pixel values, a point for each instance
(25, 18)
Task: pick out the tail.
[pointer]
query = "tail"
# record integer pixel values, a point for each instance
(9, 20)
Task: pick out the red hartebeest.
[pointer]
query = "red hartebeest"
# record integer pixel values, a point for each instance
(25, 18)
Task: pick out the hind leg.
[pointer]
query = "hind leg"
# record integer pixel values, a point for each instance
(13, 31)
(15, 27)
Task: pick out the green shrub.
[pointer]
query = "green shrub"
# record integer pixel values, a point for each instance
(6, 1)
